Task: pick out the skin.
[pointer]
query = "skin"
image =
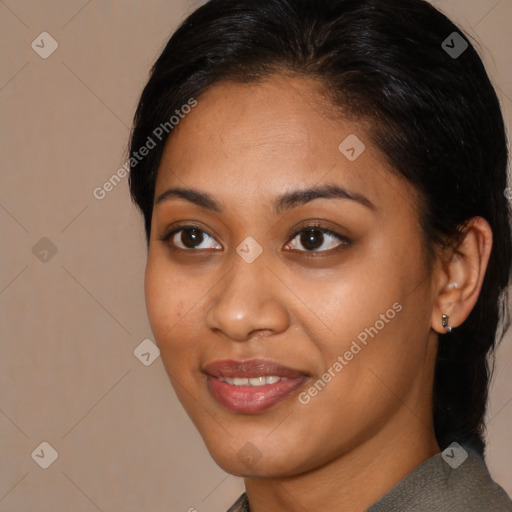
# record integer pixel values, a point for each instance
(372, 424)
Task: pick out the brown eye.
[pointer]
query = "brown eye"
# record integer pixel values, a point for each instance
(191, 238)
(312, 238)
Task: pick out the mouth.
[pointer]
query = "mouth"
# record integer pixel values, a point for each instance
(252, 386)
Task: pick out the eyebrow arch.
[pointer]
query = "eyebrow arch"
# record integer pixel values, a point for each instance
(282, 203)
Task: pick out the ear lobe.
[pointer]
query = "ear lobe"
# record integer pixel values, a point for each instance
(461, 276)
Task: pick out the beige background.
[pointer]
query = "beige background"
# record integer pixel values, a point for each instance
(69, 325)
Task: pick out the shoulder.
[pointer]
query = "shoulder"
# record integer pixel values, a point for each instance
(456, 480)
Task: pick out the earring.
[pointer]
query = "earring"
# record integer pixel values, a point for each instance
(445, 322)
(451, 286)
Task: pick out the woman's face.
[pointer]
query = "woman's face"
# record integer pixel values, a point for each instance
(288, 347)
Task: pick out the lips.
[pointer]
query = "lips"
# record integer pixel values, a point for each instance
(252, 386)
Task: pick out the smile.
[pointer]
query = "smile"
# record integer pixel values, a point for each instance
(253, 386)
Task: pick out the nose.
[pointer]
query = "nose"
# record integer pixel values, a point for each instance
(250, 299)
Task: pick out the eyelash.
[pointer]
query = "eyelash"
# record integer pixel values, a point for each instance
(316, 227)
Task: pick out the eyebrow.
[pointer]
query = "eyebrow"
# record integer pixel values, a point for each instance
(282, 203)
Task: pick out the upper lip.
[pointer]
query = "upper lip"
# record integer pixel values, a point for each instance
(250, 368)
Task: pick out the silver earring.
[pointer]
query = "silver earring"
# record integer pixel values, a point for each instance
(445, 322)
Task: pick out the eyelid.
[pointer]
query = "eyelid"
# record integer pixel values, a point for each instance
(317, 227)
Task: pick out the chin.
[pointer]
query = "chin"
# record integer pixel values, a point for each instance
(244, 459)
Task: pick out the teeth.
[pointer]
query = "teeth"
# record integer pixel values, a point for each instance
(257, 381)
(253, 381)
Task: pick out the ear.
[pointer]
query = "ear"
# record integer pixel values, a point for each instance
(461, 275)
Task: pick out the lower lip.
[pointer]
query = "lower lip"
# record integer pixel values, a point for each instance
(252, 399)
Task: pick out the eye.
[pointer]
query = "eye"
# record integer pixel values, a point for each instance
(317, 239)
(190, 238)
(313, 238)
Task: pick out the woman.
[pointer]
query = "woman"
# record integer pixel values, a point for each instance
(329, 249)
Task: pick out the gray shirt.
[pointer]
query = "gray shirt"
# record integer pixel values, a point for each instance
(438, 485)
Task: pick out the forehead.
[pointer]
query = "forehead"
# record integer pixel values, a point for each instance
(243, 142)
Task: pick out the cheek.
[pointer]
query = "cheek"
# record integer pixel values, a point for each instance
(168, 302)
(159, 301)
(378, 319)
(353, 303)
